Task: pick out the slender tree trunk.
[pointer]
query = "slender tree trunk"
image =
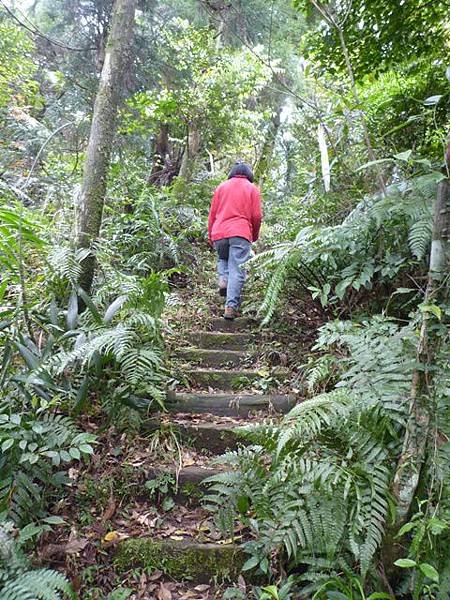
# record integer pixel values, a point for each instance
(160, 155)
(191, 150)
(268, 147)
(92, 195)
(414, 444)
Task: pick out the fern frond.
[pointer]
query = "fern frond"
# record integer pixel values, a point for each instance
(306, 420)
(419, 236)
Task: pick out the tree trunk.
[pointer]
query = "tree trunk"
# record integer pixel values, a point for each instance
(268, 147)
(191, 150)
(92, 195)
(160, 156)
(414, 443)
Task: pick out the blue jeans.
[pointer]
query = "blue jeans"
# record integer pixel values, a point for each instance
(231, 270)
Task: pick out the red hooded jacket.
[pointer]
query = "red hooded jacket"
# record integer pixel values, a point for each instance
(235, 210)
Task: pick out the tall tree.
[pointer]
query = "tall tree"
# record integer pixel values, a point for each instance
(91, 198)
(417, 429)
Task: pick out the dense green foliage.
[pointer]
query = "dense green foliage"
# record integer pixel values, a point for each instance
(210, 82)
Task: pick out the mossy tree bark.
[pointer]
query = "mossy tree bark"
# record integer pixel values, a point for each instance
(264, 159)
(193, 145)
(92, 195)
(417, 427)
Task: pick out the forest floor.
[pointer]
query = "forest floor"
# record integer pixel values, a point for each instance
(133, 487)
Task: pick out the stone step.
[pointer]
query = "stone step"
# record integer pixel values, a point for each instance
(229, 404)
(221, 324)
(188, 489)
(213, 358)
(227, 379)
(220, 340)
(217, 438)
(181, 559)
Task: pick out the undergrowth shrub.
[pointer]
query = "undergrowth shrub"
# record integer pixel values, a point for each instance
(37, 444)
(382, 238)
(18, 581)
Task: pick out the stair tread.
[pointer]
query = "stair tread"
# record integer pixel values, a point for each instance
(213, 358)
(246, 371)
(227, 340)
(221, 324)
(223, 394)
(229, 403)
(207, 351)
(182, 559)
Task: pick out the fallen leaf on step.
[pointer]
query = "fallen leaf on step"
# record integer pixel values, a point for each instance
(111, 536)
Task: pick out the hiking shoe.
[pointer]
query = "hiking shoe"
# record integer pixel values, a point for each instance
(230, 313)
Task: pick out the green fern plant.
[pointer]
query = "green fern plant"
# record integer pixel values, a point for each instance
(337, 260)
(315, 491)
(33, 443)
(19, 582)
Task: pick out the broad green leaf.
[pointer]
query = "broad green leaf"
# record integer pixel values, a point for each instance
(86, 449)
(407, 527)
(74, 453)
(54, 520)
(432, 308)
(28, 532)
(403, 155)
(90, 305)
(432, 100)
(405, 563)
(30, 359)
(72, 311)
(272, 590)
(371, 163)
(251, 563)
(429, 571)
(7, 444)
(82, 393)
(114, 307)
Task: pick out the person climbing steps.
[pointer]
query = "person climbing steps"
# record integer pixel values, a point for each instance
(233, 224)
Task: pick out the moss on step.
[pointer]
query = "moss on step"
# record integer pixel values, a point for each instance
(221, 340)
(181, 559)
(210, 357)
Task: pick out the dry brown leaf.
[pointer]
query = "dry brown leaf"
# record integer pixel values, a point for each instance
(155, 575)
(163, 593)
(106, 516)
(71, 547)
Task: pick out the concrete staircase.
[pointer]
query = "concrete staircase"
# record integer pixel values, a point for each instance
(218, 363)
